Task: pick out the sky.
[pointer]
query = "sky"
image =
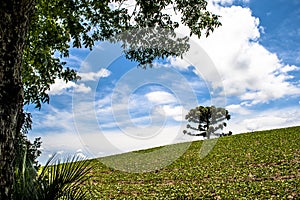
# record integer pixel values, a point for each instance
(250, 65)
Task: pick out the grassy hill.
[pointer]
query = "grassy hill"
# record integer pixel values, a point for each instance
(262, 165)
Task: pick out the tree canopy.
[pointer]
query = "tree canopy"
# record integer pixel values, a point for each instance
(58, 25)
(206, 120)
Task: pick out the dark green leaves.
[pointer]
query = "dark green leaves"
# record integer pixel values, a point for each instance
(196, 17)
(58, 25)
(206, 120)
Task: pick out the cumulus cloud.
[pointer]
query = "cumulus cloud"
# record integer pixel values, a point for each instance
(222, 2)
(237, 109)
(60, 86)
(178, 63)
(94, 76)
(160, 97)
(247, 69)
(176, 112)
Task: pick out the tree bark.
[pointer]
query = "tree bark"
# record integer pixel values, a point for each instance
(14, 25)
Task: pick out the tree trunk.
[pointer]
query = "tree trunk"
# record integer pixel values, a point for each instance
(207, 128)
(14, 25)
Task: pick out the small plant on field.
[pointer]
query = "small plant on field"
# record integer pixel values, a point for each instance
(206, 121)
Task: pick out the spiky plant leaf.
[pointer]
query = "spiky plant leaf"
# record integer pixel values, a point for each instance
(63, 179)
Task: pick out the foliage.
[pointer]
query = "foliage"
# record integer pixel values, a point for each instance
(208, 120)
(25, 163)
(258, 165)
(25, 148)
(56, 180)
(58, 25)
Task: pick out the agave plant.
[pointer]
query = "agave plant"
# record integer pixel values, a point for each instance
(58, 179)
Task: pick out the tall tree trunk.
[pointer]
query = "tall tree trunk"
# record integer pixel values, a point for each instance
(14, 25)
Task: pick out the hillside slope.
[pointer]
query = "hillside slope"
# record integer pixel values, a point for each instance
(261, 165)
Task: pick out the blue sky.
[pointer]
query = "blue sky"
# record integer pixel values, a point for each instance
(250, 65)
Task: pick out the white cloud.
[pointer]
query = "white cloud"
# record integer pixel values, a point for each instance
(161, 97)
(178, 63)
(263, 120)
(53, 118)
(289, 68)
(176, 112)
(237, 109)
(228, 2)
(81, 88)
(60, 86)
(248, 70)
(223, 2)
(94, 76)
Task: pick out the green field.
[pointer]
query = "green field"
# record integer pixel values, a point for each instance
(258, 165)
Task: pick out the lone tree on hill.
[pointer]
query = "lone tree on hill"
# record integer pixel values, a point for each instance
(208, 120)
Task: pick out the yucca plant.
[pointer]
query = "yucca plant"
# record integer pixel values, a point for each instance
(63, 179)
(58, 179)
